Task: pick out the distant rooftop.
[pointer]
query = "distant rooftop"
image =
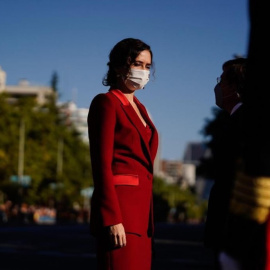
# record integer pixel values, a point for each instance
(194, 151)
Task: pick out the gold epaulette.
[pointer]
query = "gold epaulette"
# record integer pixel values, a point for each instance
(251, 197)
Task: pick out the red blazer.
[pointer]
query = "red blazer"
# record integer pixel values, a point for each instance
(122, 164)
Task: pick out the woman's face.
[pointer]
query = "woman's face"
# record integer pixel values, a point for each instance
(138, 75)
(143, 61)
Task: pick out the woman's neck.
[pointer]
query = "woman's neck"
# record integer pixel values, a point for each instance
(129, 94)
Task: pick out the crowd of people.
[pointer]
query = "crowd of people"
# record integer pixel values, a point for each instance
(27, 214)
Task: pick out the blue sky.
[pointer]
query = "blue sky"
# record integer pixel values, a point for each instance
(190, 40)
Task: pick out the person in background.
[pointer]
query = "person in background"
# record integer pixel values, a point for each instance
(248, 229)
(226, 151)
(123, 146)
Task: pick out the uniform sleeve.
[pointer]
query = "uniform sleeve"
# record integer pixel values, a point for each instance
(101, 126)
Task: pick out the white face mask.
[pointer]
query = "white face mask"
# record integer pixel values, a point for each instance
(137, 78)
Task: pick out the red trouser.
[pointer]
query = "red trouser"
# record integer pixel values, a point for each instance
(136, 255)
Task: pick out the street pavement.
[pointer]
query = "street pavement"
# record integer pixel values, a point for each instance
(57, 247)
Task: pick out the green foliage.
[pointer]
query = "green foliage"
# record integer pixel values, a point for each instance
(44, 128)
(171, 196)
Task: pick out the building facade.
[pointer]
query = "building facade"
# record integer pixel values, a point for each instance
(75, 116)
(24, 89)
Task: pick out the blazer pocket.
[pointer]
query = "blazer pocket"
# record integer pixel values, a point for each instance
(126, 179)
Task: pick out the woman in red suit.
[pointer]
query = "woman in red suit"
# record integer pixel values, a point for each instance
(123, 146)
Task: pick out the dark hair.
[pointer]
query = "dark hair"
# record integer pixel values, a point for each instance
(123, 55)
(236, 73)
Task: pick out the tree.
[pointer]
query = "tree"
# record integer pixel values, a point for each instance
(171, 197)
(54, 82)
(44, 128)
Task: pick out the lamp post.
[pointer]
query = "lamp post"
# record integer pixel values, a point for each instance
(60, 149)
(21, 151)
(21, 157)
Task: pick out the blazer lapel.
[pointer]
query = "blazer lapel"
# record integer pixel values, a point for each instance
(154, 140)
(134, 118)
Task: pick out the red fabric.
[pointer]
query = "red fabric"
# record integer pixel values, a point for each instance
(119, 145)
(149, 132)
(120, 96)
(131, 180)
(136, 255)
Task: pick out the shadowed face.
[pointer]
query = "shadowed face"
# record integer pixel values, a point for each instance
(226, 93)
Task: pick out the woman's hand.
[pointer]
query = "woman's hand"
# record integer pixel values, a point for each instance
(118, 235)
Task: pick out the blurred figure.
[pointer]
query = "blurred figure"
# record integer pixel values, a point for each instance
(226, 151)
(123, 146)
(3, 215)
(248, 228)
